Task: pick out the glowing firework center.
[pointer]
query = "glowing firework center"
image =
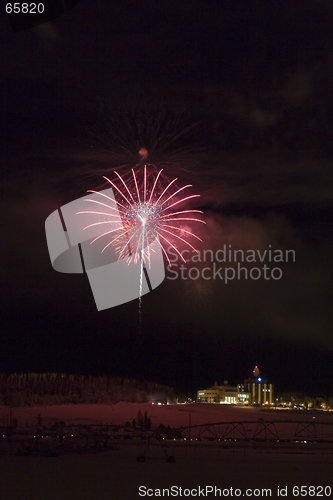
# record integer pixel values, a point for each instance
(141, 225)
(114, 279)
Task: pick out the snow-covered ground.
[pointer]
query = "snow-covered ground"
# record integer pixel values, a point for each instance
(115, 474)
(173, 415)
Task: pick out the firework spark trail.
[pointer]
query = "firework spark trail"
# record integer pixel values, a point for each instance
(145, 216)
(141, 272)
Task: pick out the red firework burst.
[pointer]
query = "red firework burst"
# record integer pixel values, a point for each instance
(146, 205)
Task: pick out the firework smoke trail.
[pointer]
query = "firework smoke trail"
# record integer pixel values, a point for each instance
(147, 214)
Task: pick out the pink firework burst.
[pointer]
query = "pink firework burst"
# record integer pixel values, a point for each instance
(150, 209)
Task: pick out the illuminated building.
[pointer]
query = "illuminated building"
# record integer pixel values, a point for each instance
(223, 394)
(261, 392)
(255, 391)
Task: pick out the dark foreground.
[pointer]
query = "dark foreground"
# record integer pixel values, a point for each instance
(115, 474)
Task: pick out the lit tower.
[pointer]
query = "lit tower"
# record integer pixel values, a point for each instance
(262, 393)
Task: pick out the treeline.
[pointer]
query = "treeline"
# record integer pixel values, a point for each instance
(28, 389)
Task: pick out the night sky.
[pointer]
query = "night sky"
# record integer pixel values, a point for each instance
(235, 98)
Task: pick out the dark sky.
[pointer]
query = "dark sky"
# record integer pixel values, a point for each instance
(245, 89)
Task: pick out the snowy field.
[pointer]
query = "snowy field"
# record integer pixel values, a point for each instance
(116, 475)
(173, 415)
